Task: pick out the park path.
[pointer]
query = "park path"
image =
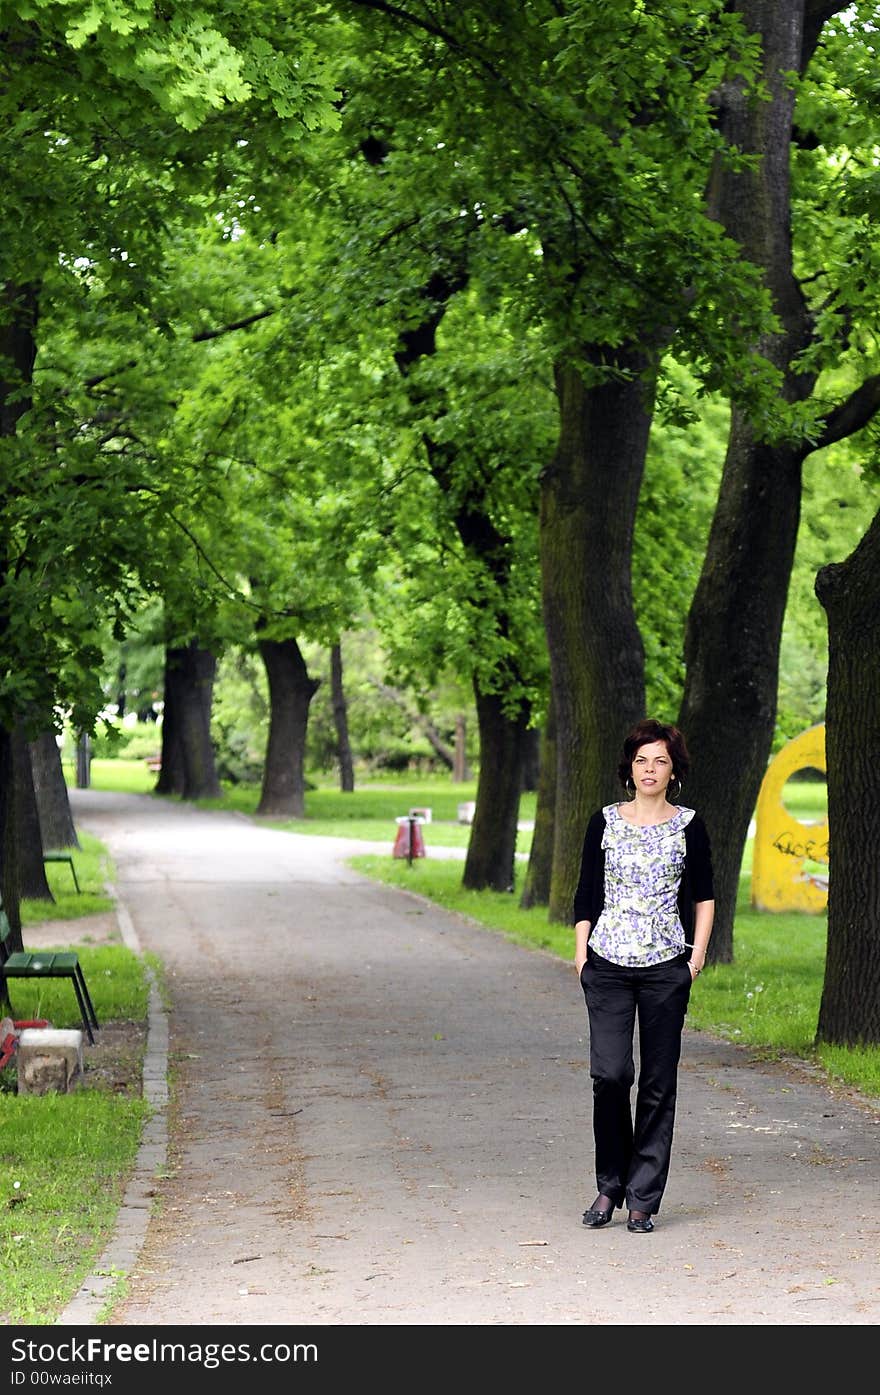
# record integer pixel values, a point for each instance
(380, 1115)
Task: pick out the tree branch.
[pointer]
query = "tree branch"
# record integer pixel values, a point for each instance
(430, 27)
(102, 377)
(851, 415)
(446, 754)
(200, 338)
(816, 15)
(207, 334)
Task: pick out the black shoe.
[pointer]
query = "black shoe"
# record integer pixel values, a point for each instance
(639, 1222)
(595, 1218)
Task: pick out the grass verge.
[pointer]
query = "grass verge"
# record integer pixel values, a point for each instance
(63, 1167)
(369, 813)
(65, 1159)
(767, 1000)
(93, 869)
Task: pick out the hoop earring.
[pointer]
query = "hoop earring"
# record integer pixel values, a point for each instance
(630, 786)
(674, 793)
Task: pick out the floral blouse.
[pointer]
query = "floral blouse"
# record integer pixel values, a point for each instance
(639, 923)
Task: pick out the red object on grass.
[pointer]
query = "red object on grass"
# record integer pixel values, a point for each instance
(10, 1041)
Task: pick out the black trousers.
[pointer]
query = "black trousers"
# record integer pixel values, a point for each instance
(632, 1155)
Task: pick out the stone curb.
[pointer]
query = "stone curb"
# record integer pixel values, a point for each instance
(118, 1258)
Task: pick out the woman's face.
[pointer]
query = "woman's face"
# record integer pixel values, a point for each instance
(652, 768)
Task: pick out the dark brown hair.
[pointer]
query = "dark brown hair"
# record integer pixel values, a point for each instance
(642, 734)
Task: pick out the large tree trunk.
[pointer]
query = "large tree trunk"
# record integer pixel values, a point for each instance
(83, 757)
(735, 623)
(290, 692)
(33, 885)
(120, 691)
(18, 351)
(850, 592)
(10, 891)
(340, 720)
(532, 761)
(588, 505)
(189, 689)
(732, 644)
(536, 891)
(53, 802)
(491, 855)
(171, 778)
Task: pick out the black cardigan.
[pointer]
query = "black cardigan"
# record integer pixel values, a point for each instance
(696, 880)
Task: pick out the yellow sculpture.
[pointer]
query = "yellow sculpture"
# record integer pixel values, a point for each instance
(780, 881)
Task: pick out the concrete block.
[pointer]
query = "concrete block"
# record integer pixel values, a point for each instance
(48, 1058)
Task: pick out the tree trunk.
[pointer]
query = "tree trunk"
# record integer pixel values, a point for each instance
(491, 856)
(171, 778)
(290, 692)
(120, 691)
(589, 496)
(849, 1013)
(532, 760)
(33, 885)
(536, 891)
(189, 688)
(18, 351)
(734, 626)
(732, 644)
(460, 771)
(340, 719)
(10, 891)
(53, 803)
(83, 761)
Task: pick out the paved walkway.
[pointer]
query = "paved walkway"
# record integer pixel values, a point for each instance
(380, 1115)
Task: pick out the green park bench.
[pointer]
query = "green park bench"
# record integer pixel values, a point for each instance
(57, 855)
(45, 964)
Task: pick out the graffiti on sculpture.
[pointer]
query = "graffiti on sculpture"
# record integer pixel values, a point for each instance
(790, 861)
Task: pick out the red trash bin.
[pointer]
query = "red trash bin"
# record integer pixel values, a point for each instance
(409, 842)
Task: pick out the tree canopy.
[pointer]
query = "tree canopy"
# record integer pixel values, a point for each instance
(540, 338)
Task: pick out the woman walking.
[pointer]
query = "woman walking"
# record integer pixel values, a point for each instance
(643, 915)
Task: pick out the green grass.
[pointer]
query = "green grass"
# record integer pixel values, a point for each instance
(808, 799)
(767, 1000)
(115, 978)
(368, 813)
(93, 869)
(122, 776)
(64, 1161)
(378, 803)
